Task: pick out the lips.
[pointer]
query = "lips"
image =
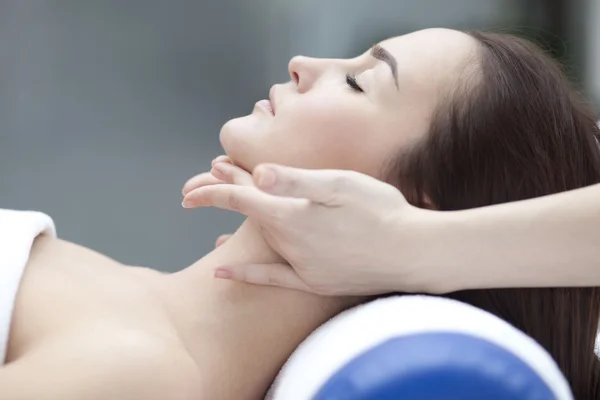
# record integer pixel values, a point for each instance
(266, 106)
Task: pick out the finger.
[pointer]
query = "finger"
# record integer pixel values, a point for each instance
(280, 275)
(200, 180)
(243, 199)
(328, 187)
(224, 159)
(230, 173)
(221, 239)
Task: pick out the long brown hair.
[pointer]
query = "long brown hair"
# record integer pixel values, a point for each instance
(515, 128)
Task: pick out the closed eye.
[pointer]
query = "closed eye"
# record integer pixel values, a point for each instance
(351, 81)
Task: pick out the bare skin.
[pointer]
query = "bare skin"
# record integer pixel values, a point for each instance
(85, 326)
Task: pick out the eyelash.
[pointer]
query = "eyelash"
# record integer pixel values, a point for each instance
(351, 81)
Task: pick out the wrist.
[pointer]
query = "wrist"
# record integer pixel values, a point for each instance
(430, 241)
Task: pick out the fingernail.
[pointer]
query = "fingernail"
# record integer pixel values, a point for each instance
(217, 173)
(220, 159)
(266, 178)
(189, 202)
(223, 273)
(223, 167)
(222, 171)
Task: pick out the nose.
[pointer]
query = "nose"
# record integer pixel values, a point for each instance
(305, 71)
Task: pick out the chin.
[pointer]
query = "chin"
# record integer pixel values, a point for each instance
(252, 140)
(235, 138)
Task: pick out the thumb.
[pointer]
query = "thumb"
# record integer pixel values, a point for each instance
(280, 275)
(328, 187)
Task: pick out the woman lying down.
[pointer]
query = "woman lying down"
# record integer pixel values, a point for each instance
(454, 119)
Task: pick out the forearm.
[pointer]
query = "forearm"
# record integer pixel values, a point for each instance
(545, 242)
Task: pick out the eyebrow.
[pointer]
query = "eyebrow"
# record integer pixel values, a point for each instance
(382, 54)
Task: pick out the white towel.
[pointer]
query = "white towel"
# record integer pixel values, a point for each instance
(18, 229)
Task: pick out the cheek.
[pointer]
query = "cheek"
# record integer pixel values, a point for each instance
(330, 135)
(315, 132)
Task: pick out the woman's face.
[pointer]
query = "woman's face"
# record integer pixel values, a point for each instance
(351, 114)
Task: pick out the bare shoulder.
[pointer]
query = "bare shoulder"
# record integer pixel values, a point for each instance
(127, 365)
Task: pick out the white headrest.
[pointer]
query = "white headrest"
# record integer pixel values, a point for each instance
(355, 331)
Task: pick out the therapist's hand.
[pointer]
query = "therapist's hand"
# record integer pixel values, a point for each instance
(342, 232)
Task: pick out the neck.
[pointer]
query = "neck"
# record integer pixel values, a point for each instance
(189, 290)
(245, 246)
(241, 331)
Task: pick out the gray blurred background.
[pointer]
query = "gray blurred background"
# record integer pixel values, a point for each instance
(108, 106)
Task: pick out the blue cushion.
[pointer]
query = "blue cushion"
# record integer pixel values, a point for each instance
(436, 366)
